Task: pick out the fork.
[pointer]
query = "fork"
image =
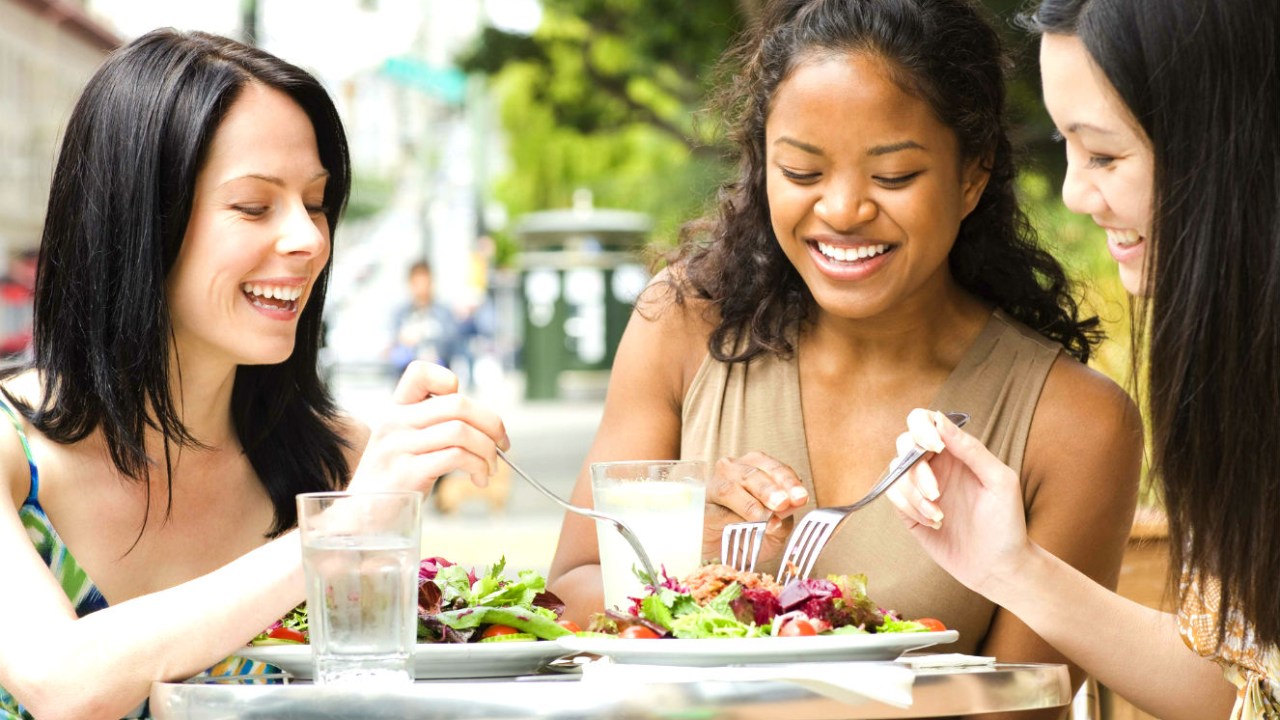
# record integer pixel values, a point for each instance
(809, 538)
(627, 533)
(740, 542)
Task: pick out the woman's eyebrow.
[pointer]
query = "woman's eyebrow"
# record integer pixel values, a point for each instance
(274, 180)
(879, 150)
(811, 149)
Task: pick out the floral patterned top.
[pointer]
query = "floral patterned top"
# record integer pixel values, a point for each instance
(80, 590)
(1254, 670)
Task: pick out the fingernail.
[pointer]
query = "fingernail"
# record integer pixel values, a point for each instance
(506, 442)
(935, 514)
(932, 493)
(773, 525)
(799, 494)
(776, 498)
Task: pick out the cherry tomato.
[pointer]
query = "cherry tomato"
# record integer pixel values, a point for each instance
(284, 633)
(493, 630)
(934, 624)
(569, 625)
(638, 632)
(798, 627)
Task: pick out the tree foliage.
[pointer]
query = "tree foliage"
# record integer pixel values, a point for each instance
(606, 95)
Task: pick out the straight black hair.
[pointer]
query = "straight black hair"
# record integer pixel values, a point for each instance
(118, 210)
(1201, 80)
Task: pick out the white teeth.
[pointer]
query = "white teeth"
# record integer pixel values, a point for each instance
(849, 254)
(1124, 238)
(277, 292)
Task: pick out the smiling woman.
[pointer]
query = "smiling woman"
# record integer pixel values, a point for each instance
(869, 255)
(173, 409)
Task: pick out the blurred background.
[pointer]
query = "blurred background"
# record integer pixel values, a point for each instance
(527, 150)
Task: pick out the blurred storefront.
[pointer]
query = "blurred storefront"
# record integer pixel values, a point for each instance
(48, 50)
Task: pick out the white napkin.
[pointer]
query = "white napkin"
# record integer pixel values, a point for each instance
(852, 683)
(942, 660)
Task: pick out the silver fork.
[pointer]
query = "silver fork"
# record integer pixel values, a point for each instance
(809, 537)
(627, 533)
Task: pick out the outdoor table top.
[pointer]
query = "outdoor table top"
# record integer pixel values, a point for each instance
(935, 692)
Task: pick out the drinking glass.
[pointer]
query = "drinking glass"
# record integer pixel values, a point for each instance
(360, 554)
(662, 501)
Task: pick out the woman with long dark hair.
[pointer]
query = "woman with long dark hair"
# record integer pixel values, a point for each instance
(869, 254)
(1169, 111)
(173, 409)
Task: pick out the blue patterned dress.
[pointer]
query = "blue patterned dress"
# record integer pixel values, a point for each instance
(80, 590)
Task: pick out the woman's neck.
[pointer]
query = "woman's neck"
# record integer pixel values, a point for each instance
(929, 328)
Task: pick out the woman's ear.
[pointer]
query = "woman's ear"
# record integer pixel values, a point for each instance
(974, 174)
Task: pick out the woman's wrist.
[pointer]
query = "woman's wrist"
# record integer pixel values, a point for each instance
(1021, 580)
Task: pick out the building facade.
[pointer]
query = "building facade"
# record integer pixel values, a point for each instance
(48, 50)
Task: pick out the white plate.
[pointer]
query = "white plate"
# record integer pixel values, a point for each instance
(748, 651)
(432, 661)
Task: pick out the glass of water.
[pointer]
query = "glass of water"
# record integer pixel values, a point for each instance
(360, 554)
(661, 501)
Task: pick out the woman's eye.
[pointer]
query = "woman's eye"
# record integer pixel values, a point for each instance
(1100, 161)
(317, 209)
(250, 210)
(802, 177)
(893, 181)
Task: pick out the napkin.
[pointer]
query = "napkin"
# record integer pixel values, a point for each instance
(941, 660)
(852, 683)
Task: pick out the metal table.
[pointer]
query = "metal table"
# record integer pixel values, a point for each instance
(936, 692)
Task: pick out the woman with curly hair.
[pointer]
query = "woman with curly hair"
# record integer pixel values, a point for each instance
(869, 256)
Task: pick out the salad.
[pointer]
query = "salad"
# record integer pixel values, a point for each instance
(455, 605)
(717, 601)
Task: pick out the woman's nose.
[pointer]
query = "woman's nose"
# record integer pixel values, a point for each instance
(1079, 193)
(845, 208)
(304, 232)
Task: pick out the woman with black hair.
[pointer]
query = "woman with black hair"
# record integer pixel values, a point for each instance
(173, 409)
(870, 255)
(1169, 111)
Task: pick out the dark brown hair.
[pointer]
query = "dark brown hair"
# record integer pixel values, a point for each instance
(947, 54)
(1201, 80)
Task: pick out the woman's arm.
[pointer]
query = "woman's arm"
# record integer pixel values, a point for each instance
(983, 542)
(103, 665)
(658, 354)
(1084, 480)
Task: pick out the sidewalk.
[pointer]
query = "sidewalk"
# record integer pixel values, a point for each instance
(549, 440)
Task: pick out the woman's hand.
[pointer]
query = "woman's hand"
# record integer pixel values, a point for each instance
(429, 431)
(963, 505)
(754, 487)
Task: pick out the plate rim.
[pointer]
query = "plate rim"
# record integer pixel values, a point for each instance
(665, 647)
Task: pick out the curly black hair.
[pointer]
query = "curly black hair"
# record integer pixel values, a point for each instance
(944, 52)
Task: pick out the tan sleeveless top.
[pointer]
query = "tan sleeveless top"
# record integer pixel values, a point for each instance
(732, 409)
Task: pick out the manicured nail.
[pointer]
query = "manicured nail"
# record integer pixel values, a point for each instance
(799, 494)
(776, 498)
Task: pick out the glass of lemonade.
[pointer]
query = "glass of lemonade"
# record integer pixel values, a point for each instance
(360, 554)
(662, 502)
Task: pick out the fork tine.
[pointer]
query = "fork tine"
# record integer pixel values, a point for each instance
(795, 544)
(757, 539)
(727, 546)
(821, 536)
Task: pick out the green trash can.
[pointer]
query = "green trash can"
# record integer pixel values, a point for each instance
(581, 271)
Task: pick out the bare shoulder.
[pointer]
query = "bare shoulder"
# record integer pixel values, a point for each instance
(15, 473)
(668, 331)
(1085, 422)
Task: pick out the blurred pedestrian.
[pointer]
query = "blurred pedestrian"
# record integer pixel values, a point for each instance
(423, 329)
